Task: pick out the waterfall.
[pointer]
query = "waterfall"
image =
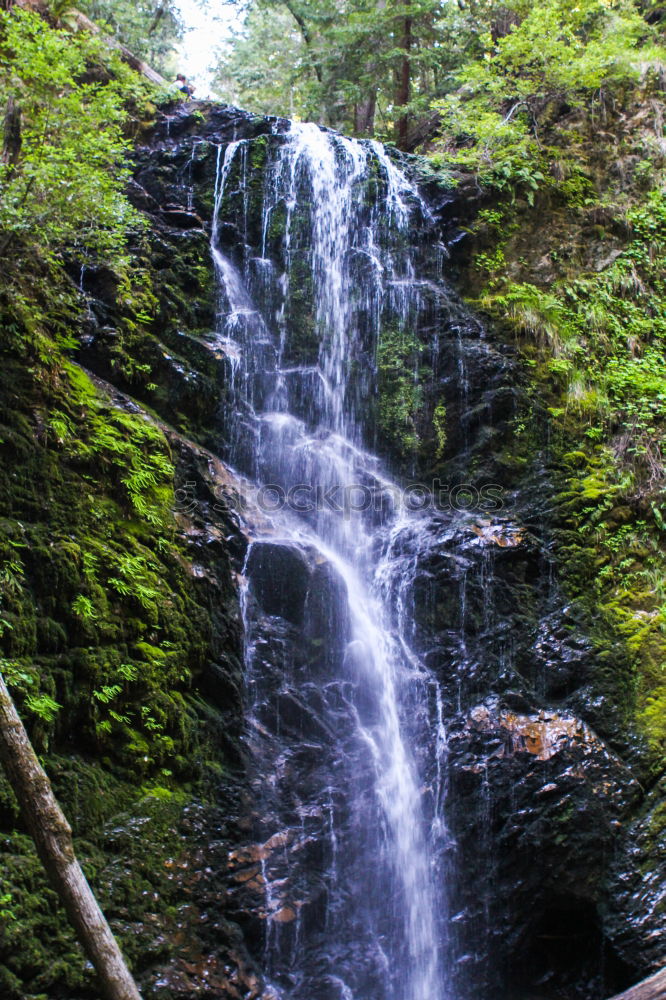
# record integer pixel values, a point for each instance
(346, 723)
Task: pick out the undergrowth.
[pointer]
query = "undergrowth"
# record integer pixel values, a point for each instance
(569, 263)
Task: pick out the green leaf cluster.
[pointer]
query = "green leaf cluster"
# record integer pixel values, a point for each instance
(64, 188)
(551, 58)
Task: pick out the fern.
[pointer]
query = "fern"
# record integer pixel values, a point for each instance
(107, 693)
(43, 706)
(84, 608)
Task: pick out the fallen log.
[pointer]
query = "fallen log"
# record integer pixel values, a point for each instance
(84, 23)
(653, 988)
(52, 836)
(76, 19)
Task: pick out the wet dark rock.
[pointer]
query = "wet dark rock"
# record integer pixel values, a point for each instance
(327, 618)
(535, 796)
(635, 918)
(539, 786)
(98, 282)
(563, 657)
(140, 197)
(280, 575)
(181, 217)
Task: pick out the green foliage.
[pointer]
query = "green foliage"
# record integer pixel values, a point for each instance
(607, 333)
(501, 152)
(266, 68)
(399, 391)
(150, 30)
(577, 280)
(439, 426)
(66, 188)
(496, 73)
(83, 606)
(43, 706)
(132, 445)
(6, 913)
(341, 65)
(552, 55)
(24, 680)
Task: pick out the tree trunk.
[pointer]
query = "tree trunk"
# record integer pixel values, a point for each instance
(307, 37)
(364, 115)
(653, 988)
(159, 14)
(404, 83)
(52, 835)
(11, 140)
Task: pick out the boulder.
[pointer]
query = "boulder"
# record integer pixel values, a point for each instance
(280, 574)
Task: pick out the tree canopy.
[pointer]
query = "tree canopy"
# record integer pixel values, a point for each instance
(390, 68)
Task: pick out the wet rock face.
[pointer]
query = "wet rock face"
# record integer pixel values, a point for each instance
(171, 363)
(536, 799)
(543, 797)
(546, 835)
(636, 884)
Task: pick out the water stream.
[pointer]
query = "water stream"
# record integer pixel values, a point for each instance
(346, 723)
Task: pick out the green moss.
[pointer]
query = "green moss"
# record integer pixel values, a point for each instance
(100, 615)
(126, 845)
(259, 152)
(399, 392)
(439, 428)
(103, 632)
(303, 339)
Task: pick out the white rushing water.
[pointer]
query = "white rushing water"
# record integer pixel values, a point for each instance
(344, 213)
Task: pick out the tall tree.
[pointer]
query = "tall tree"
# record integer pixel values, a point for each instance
(364, 66)
(403, 75)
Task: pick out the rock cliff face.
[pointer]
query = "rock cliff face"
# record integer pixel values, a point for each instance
(552, 859)
(542, 779)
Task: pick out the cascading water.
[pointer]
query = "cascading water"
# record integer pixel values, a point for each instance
(342, 712)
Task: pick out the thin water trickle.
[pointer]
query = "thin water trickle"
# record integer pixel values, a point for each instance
(300, 423)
